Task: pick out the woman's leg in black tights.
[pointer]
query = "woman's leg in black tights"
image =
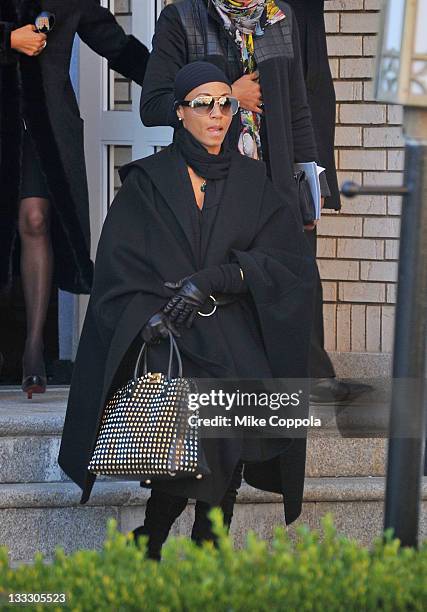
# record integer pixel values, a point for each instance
(202, 527)
(36, 275)
(160, 514)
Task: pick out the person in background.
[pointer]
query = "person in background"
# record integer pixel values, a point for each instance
(321, 99)
(44, 196)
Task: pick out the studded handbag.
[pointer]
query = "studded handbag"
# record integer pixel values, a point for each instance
(145, 433)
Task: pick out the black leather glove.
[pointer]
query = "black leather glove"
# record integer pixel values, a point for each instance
(183, 306)
(194, 290)
(157, 327)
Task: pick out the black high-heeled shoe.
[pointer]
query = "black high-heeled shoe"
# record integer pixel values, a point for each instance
(34, 384)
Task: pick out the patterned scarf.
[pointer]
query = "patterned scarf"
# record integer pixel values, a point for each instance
(242, 19)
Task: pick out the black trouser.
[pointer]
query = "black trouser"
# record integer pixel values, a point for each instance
(320, 363)
(163, 509)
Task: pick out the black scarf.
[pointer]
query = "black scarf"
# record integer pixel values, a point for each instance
(205, 164)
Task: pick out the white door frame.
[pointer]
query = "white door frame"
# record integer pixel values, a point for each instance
(104, 127)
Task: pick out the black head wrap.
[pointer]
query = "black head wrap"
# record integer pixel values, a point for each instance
(197, 73)
(205, 164)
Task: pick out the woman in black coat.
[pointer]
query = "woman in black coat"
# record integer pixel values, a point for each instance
(44, 195)
(196, 220)
(321, 99)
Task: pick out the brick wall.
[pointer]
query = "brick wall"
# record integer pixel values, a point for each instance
(358, 247)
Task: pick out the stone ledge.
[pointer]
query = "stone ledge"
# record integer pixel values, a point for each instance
(362, 365)
(64, 494)
(43, 415)
(25, 459)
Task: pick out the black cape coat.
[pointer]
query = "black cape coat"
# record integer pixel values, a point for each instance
(320, 87)
(41, 88)
(147, 239)
(190, 30)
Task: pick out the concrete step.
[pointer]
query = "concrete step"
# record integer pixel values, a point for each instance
(39, 506)
(40, 516)
(30, 433)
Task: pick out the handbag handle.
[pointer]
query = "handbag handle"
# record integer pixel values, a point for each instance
(173, 348)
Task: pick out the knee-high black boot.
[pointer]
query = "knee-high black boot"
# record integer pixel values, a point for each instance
(160, 514)
(229, 499)
(202, 527)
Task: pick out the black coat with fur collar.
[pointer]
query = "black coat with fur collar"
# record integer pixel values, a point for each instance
(147, 239)
(40, 87)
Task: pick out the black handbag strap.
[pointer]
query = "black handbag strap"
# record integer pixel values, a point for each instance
(173, 348)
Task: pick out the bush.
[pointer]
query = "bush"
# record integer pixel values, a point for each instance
(319, 571)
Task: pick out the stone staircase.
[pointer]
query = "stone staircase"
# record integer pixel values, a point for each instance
(39, 506)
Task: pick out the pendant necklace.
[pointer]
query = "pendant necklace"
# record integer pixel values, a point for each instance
(203, 186)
